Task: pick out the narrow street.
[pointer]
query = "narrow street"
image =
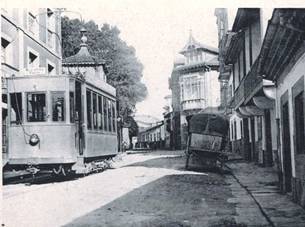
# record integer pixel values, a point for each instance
(194, 118)
(145, 189)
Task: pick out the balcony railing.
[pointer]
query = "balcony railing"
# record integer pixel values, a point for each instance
(239, 94)
(193, 104)
(247, 86)
(252, 80)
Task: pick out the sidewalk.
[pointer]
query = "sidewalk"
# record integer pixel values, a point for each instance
(262, 184)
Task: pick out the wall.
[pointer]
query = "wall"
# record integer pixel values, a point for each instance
(44, 54)
(11, 34)
(286, 82)
(16, 28)
(247, 48)
(175, 88)
(213, 89)
(256, 39)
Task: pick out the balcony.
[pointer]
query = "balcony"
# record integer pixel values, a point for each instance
(248, 86)
(253, 82)
(193, 104)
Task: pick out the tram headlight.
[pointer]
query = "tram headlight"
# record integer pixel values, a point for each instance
(34, 139)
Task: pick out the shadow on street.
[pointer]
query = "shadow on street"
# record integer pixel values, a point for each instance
(178, 163)
(173, 200)
(186, 199)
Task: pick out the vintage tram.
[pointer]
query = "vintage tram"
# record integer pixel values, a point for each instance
(62, 122)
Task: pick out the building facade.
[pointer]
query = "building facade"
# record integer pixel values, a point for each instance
(224, 70)
(152, 137)
(194, 85)
(265, 50)
(30, 45)
(167, 115)
(252, 115)
(282, 60)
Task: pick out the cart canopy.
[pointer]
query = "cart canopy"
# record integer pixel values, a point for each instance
(208, 124)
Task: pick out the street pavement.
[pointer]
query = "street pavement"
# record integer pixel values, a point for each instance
(262, 184)
(186, 198)
(153, 189)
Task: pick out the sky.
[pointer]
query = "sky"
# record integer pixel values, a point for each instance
(157, 29)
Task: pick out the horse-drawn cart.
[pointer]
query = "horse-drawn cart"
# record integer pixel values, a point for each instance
(207, 138)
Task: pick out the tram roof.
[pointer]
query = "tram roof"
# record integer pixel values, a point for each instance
(83, 57)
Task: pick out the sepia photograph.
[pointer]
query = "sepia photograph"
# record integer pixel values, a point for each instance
(152, 113)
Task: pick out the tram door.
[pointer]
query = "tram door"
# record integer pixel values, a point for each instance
(79, 117)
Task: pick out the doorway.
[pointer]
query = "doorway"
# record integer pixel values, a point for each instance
(79, 117)
(247, 145)
(286, 148)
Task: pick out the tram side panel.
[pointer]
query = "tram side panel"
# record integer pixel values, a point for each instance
(101, 145)
(101, 127)
(56, 145)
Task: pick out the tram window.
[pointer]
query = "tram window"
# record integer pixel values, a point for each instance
(16, 108)
(113, 116)
(58, 106)
(105, 112)
(94, 111)
(89, 110)
(100, 113)
(109, 115)
(72, 107)
(36, 107)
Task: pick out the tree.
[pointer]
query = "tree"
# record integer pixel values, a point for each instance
(124, 69)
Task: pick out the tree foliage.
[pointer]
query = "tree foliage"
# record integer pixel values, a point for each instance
(133, 126)
(124, 69)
